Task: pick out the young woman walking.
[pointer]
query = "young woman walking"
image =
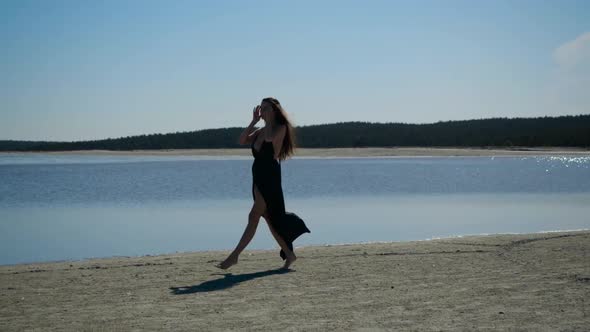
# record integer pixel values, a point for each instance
(270, 145)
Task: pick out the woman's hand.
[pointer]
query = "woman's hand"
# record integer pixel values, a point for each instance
(256, 114)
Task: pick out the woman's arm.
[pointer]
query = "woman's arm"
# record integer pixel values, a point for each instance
(249, 133)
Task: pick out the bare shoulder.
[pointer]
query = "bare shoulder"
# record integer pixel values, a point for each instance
(279, 133)
(282, 128)
(277, 139)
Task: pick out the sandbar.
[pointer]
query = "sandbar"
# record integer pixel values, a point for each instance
(349, 152)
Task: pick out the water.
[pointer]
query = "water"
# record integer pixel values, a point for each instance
(58, 207)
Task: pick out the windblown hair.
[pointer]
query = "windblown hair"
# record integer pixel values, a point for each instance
(281, 117)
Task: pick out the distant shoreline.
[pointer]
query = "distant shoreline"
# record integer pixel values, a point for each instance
(340, 152)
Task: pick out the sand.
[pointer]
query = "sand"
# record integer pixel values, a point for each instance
(500, 282)
(351, 152)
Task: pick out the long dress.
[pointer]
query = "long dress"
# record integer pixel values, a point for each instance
(266, 176)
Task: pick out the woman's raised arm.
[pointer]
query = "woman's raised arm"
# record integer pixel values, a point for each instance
(249, 133)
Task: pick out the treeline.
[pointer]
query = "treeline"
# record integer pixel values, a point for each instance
(563, 131)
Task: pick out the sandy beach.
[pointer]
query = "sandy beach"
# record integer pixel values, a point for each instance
(533, 282)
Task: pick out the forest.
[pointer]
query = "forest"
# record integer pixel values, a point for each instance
(562, 131)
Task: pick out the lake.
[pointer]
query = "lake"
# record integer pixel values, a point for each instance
(69, 207)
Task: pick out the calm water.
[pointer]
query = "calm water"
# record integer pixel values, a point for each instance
(72, 207)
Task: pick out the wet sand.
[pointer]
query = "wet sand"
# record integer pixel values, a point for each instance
(533, 282)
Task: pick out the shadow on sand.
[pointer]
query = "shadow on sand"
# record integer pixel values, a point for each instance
(229, 280)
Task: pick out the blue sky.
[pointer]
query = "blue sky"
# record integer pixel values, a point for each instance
(74, 70)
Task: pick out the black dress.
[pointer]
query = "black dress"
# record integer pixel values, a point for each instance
(266, 175)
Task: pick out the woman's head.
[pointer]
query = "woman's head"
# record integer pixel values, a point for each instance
(274, 114)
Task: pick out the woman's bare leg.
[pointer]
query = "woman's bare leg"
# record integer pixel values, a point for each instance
(258, 210)
(253, 219)
(290, 255)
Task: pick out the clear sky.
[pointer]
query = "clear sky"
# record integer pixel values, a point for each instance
(74, 70)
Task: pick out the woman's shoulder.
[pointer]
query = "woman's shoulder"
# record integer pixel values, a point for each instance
(280, 129)
(279, 132)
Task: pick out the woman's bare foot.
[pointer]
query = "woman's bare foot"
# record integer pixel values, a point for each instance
(227, 263)
(290, 259)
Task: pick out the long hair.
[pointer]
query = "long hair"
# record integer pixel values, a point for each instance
(281, 117)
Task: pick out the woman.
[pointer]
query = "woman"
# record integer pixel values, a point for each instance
(270, 144)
